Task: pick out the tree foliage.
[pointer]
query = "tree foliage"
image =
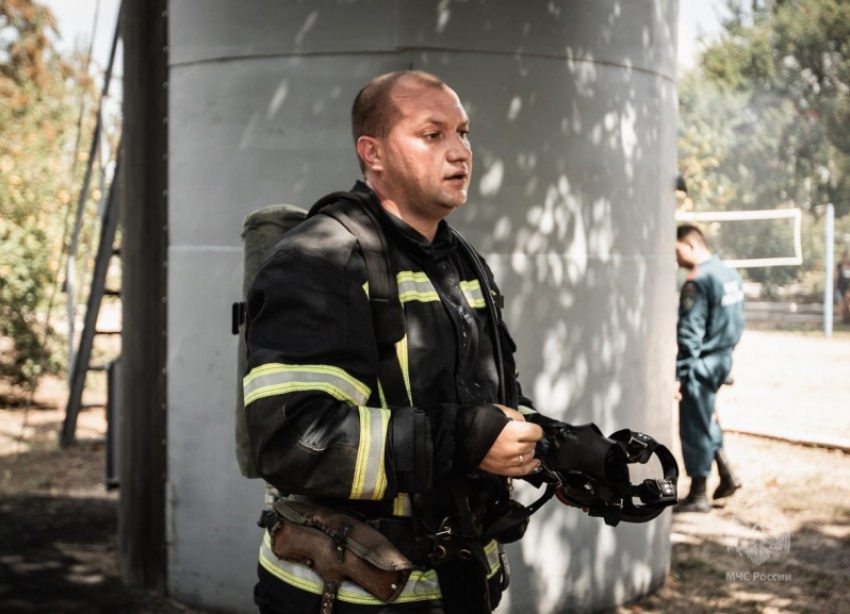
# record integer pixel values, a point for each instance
(40, 93)
(796, 53)
(765, 117)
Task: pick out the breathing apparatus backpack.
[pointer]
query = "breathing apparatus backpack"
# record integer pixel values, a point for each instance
(259, 231)
(580, 466)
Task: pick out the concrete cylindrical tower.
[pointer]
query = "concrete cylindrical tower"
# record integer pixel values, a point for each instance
(573, 109)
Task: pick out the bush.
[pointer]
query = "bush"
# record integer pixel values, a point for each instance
(40, 100)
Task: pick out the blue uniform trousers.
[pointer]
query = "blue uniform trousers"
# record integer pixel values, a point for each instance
(698, 428)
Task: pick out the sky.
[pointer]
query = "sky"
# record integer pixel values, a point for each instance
(76, 20)
(697, 18)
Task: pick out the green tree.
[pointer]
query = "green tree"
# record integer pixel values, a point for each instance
(794, 54)
(765, 122)
(40, 93)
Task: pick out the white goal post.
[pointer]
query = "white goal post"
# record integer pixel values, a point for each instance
(764, 214)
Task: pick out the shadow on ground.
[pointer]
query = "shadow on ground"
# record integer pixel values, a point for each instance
(57, 555)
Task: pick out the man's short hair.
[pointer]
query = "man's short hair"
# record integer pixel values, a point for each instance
(374, 113)
(685, 231)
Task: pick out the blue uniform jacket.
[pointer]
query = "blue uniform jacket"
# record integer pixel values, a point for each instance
(711, 320)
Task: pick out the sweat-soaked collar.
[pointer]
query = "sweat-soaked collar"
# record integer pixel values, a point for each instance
(410, 240)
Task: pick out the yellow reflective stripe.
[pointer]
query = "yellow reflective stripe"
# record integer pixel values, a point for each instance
(275, 378)
(525, 411)
(402, 506)
(404, 362)
(421, 586)
(415, 287)
(381, 396)
(492, 552)
(474, 296)
(370, 473)
(412, 286)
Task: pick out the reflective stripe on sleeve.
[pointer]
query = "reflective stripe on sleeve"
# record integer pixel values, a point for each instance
(472, 291)
(370, 473)
(421, 586)
(275, 378)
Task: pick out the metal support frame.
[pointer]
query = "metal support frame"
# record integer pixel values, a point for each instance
(144, 251)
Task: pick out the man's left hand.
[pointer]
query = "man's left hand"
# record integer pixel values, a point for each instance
(512, 454)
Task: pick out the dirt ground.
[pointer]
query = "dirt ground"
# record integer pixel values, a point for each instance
(780, 545)
(58, 521)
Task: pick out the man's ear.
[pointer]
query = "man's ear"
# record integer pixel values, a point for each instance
(370, 151)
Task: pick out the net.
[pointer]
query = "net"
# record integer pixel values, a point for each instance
(754, 238)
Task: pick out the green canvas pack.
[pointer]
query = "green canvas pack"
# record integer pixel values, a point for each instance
(259, 231)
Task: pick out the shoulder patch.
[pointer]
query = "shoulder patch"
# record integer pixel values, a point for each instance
(689, 296)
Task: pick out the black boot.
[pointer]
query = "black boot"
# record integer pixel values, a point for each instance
(728, 482)
(695, 501)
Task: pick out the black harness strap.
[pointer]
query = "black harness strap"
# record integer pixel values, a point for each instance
(387, 315)
(389, 324)
(387, 312)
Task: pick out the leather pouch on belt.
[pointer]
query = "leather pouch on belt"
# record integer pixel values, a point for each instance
(339, 548)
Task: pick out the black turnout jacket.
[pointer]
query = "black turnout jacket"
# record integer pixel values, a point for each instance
(318, 421)
(317, 418)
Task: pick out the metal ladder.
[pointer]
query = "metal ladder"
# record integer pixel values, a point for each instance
(80, 358)
(80, 365)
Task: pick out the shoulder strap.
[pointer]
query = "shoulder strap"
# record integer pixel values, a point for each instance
(387, 313)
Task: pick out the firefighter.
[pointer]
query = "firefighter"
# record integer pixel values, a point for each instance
(711, 320)
(320, 425)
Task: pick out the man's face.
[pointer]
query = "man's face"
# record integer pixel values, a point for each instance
(685, 254)
(426, 157)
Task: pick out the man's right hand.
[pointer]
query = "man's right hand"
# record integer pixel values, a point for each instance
(512, 454)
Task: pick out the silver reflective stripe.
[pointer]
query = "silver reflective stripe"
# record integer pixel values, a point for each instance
(370, 474)
(421, 586)
(275, 378)
(474, 296)
(415, 287)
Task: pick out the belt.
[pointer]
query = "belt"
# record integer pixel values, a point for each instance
(401, 533)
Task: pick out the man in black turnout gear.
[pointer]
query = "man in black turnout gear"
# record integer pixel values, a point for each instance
(324, 428)
(711, 320)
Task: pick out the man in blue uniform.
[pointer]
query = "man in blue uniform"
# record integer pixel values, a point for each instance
(711, 319)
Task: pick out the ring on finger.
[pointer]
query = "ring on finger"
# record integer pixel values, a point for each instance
(521, 460)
